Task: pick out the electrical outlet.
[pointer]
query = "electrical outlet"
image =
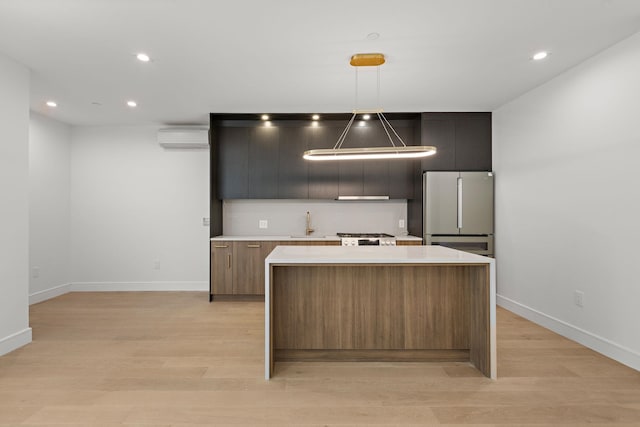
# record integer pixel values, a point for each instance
(206, 222)
(578, 298)
(263, 223)
(156, 264)
(35, 272)
(401, 223)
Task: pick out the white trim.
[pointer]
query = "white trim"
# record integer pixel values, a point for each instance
(138, 286)
(15, 341)
(602, 345)
(56, 291)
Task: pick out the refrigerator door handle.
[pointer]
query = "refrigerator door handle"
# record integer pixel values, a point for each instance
(459, 184)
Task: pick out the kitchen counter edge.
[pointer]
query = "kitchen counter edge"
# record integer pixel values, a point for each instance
(302, 239)
(373, 255)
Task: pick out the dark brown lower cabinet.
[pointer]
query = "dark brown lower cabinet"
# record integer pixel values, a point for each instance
(237, 267)
(221, 274)
(248, 272)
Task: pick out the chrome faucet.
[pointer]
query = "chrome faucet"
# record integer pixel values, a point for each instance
(309, 230)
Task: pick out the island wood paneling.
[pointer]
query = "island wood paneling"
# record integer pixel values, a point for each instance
(320, 309)
(480, 335)
(436, 307)
(377, 307)
(373, 355)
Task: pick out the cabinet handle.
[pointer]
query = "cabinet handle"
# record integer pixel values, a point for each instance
(253, 246)
(221, 246)
(228, 260)
(459, 202)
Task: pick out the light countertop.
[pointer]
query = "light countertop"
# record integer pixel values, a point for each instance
(409, 238)
(372, 255)
(298, 238)
(276, 238)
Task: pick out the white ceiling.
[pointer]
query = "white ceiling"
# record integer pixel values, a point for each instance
(258, 56)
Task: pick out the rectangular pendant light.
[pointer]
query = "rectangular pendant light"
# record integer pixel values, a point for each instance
(372, 153)
(394, 151)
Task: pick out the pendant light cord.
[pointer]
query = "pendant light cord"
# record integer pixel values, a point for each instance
(343, 136)
(383, 120)
(396, 151)
(356, 89)
(378, 89)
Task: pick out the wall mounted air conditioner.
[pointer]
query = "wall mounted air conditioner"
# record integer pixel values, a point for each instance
(184, 138)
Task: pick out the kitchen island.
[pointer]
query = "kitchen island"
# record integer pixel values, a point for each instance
(402, 303)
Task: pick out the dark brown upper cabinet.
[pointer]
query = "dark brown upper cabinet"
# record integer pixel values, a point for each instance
(293, 170)
(254, 161)
(233, 162)
(439, 131)
(401, 172)
(473, 142)
(247, 162)
(463, 141)
(263, 162)
(391, 178)
(323, 176)
(351, 179)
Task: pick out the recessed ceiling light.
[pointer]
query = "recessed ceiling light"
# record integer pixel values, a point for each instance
(365, 117)
(52, 104)
(143, 57)
(314, 124)
(264, 117)
(373, 36)
(540, 55)
(267, 124)
(362, 123)
(132, 104)
(315, 117)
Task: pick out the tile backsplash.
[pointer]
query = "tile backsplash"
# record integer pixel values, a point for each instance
(288, 217)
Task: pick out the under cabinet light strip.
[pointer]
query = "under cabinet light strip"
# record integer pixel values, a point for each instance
(363, 198)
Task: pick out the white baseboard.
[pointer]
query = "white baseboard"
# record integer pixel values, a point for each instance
(56, 291)
(602, 345)
(138, 286)
(15, 341)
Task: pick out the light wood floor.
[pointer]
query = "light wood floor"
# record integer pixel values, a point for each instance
(173, 359)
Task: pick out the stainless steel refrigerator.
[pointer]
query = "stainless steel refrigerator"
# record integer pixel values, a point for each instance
(458, 210)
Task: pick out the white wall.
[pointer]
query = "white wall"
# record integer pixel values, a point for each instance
(136, 206)
(14, 205)
(567, 158)
(288, 217)
(49, 203)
